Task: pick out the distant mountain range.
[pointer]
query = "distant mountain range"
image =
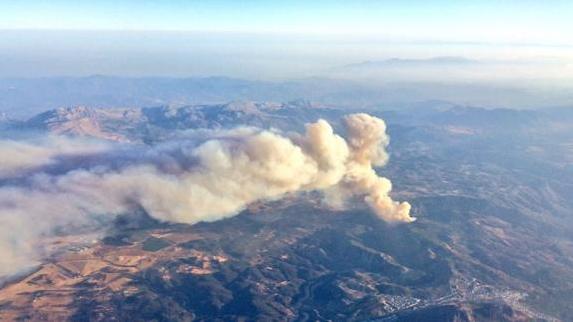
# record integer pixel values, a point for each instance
(153, 123)
(405, 62)
(141, 124)
(23, 97)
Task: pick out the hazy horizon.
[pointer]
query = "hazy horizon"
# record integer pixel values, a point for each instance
(281, 40)
(260, 56)
(518, 53)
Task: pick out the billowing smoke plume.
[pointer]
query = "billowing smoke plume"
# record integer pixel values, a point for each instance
(367, 140)
(188, 182)
(23, 156)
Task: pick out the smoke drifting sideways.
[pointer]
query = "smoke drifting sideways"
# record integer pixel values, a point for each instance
(184, 181)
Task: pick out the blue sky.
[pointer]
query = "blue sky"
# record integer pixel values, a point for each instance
(500, 21)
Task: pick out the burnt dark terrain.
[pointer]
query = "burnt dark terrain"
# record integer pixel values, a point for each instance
(492, 191)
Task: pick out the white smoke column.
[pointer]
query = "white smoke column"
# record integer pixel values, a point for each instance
(228, 173)
(368, 140)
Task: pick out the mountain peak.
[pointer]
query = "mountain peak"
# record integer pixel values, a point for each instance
(78, 120)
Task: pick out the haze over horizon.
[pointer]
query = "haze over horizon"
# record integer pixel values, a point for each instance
(280, 40)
